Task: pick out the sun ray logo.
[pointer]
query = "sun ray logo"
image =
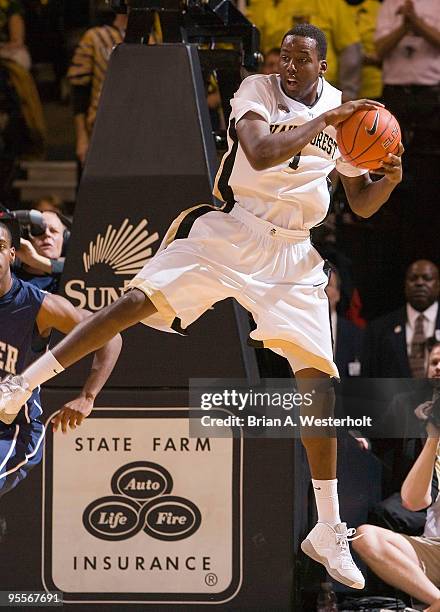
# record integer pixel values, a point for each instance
(125, 250)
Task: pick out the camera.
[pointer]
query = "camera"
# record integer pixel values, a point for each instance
(22, 223)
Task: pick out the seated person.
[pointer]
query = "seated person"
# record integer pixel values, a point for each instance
(42, 257)
(411, 563)
(398, 439)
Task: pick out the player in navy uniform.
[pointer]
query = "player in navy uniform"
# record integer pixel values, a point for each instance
(27, 316)
(257, 249)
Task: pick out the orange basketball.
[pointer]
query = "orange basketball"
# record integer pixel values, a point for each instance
(366, 138)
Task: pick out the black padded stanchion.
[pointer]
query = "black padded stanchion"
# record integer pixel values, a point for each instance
(151, 156)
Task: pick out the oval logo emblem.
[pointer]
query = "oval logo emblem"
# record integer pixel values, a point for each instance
(171, 518)
(112, 518)
(142, 480)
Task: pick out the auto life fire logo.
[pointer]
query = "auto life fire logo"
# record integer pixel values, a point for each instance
(142, 501)
(116, 252)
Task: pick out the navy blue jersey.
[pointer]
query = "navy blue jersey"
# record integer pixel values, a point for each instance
(20, 342)
(21, 442)
(46, 282)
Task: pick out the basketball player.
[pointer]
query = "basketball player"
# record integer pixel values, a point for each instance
(27, 315)
(257, 249)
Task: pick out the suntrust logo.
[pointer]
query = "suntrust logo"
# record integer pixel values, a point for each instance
(141, 501)
(122, 251)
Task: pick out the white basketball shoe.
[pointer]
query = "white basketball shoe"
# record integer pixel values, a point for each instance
(14, 393)
(330, 546)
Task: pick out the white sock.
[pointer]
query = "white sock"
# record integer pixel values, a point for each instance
(43, 369)
(327, 501)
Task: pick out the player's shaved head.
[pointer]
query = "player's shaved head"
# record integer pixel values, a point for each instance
(302, 62)
(307, 30)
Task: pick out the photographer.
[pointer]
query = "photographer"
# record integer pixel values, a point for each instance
(41, 257)
(412, 563)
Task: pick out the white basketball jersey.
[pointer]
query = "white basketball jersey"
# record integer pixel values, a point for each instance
(294, 194)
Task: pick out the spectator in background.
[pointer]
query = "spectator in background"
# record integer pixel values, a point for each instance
(46, 37)
(271, 61)
(365, 16)
(334, 17)
(42, 257)
(347, 337)
(49, 204)
(22, 126)
(214, 101)
(408, 41)
(12, 33)
(86, 75)
(395, 344)
(409, 563)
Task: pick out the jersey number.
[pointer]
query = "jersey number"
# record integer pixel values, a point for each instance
(295, 162)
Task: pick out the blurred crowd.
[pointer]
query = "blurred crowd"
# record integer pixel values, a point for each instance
(384, 287)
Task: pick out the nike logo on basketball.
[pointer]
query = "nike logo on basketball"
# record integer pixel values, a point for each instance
(373, 128)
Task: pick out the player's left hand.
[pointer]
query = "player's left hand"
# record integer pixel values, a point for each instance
(72, 414)
(391, 166)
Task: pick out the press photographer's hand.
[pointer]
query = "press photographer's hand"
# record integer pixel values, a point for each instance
(423, 410)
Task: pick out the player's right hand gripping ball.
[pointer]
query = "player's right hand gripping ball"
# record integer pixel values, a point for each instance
(366, 138)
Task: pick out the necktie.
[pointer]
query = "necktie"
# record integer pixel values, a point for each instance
(418, 345)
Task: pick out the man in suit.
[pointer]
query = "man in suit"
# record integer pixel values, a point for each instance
(347, 337)
(395, 344)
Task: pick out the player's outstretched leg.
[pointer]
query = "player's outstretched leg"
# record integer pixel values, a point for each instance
(328, 542)
(86, 337)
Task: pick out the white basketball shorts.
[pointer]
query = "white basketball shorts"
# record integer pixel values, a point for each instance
(208, 255)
